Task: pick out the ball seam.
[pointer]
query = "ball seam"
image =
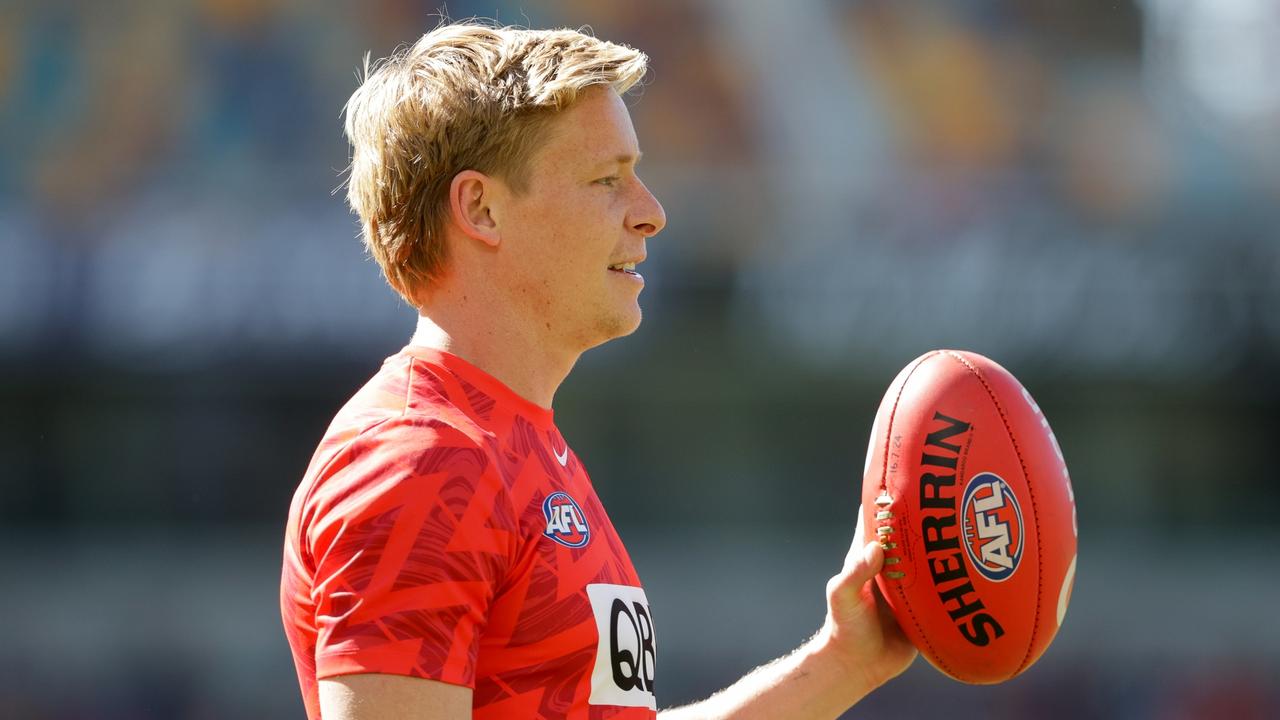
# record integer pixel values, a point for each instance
(884, 474)
(1035, 510)
(893, 414)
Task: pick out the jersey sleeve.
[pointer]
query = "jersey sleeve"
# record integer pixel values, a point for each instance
(411, 533)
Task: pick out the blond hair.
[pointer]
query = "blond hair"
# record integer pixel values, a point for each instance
(464, 96)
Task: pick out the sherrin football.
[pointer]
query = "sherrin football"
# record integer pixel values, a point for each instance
(966, 489)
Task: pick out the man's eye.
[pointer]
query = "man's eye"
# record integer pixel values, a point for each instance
(608, 181)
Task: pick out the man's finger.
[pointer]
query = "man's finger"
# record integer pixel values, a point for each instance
(864, 561)
(858, 546)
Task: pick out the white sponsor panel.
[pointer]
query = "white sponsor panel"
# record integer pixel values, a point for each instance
(626, 654)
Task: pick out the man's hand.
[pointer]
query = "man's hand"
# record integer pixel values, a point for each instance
(858, 649)
(860, 629)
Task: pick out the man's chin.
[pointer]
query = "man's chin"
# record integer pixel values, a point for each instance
(630, 323)
(617, 326)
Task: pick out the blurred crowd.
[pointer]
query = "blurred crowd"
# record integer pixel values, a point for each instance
(1088, 192)
(1113, 168)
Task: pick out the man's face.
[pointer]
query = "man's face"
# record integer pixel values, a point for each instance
(584, 211)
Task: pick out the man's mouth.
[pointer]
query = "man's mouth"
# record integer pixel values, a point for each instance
(627, 267)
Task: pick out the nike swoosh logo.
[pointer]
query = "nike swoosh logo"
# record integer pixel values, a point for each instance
(564, 459)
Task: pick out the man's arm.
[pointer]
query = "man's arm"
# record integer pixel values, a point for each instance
(858, 649)
(373, 696)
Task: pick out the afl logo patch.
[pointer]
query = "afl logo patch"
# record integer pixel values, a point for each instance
(565, 522)
(992, 521)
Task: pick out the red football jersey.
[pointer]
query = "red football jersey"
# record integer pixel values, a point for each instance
(444, 530)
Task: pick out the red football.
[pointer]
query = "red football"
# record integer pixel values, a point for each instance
(966, 489)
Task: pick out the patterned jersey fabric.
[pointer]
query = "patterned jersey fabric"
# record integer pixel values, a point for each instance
(444, 530)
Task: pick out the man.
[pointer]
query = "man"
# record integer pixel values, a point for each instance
(446, 555)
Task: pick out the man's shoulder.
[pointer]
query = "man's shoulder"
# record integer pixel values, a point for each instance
(412, 439)
(393, 460)
(406, 399)
(390, 427)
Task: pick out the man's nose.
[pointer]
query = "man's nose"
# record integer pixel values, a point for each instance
(648, 218)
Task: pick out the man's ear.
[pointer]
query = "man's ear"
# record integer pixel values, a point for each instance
(471, 194)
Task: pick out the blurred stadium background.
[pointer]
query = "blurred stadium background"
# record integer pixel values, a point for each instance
(1087, 192)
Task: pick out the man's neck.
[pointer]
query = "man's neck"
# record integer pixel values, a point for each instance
(513, 355)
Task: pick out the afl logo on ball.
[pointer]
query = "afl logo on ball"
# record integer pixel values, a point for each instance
(565, 522)
(992, 522)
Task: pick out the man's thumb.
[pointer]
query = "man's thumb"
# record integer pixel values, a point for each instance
(862, 564)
